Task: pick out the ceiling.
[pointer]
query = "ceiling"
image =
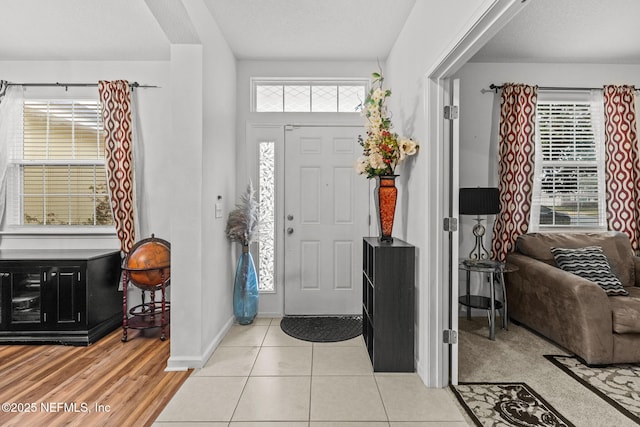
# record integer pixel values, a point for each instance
(574, 31)
(311, 29)
(80, 30)
(569, 31)
(256, 29)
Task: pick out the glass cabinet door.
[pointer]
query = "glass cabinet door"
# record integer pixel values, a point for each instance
(26, 304)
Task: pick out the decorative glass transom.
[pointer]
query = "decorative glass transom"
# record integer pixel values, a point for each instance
(308, 96)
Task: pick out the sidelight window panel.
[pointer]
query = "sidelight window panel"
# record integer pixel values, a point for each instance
(267, 205)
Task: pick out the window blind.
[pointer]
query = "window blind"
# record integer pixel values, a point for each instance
(57, 173)
(569, 185)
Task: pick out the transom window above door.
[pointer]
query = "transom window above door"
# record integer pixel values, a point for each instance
(307, 96)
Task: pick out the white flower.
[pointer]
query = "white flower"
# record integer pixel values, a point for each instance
(408, 146)
(376, 161)
(373, 111)
(373, 147)
(375, 122)
(361, 165)
(378, 94)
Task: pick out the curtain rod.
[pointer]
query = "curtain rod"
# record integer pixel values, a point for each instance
(133, 85)
(495, 88)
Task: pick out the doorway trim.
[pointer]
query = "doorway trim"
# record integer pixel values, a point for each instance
(440, 305)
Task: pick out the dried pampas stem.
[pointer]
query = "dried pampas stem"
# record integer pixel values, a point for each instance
(242, 224)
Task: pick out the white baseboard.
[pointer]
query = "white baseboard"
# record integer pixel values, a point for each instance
(184, 363)
(216, 341)
(422, 373)
(181, 364)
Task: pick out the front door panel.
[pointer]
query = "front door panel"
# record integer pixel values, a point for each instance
(326, 216)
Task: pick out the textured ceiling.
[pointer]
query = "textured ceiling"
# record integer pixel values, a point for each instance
(311, 29)
(80, 30)
(256, 29)
(569, 31)
(578, 31)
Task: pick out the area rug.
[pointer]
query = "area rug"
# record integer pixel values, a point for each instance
(619, 385)
(322, 328)
(507, 404)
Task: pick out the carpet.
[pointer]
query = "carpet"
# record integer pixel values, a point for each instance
(619, 385)
(322, 328)
(507, 404)
(517, 355)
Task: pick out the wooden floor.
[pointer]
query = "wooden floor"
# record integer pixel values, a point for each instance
(109, 383)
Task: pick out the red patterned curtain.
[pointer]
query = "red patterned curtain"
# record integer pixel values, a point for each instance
(515, 166)
(622, 161)
(115, 97)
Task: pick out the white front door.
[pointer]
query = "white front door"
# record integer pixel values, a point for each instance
(326, 216)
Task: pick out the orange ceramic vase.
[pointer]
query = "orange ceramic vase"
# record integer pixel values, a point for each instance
(387, 196)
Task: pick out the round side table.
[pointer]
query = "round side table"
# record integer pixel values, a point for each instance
(495, 269)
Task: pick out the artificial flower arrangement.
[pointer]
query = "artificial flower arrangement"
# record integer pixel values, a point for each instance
(383, 149)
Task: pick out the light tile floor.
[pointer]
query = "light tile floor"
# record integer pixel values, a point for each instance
(261, 377)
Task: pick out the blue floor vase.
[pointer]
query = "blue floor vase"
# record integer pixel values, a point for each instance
(245, 289)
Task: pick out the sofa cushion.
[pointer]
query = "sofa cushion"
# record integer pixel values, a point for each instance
(626, 312)
(615, 245)
(590, 263)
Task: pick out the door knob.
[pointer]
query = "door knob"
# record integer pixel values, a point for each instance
(289, 230)
(290, 217)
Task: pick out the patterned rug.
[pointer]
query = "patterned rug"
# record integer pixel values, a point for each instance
(507, 404)
(619, 385)
(322, 328)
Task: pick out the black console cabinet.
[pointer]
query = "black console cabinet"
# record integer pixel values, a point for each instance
(388, 305)
(58, 296)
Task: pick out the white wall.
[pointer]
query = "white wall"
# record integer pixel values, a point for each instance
(479, 119)
(272, 304)
(185, 205)
(431, 31)
(203, 80)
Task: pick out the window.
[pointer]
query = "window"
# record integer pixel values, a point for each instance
(267, 205)
(57, 173)
(316, 96)
(569, 177)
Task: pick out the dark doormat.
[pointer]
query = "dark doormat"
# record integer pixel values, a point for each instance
(322, 328)
(507, 404)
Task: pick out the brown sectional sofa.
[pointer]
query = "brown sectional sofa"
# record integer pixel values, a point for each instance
(570, 310)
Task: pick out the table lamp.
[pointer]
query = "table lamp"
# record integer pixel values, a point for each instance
(479, 201)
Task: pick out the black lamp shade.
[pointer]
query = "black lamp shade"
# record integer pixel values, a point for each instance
(479, 201)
